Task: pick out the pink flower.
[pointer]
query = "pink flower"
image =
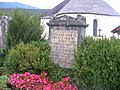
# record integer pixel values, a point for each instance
(75, 88)
(45, 81)
(67, 78)
(47, 87)
(26, 74)
(29, 81)
(45, 73)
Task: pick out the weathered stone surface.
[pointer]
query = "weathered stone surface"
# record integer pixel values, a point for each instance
(3, 30)
(64, 35)
(62, 45)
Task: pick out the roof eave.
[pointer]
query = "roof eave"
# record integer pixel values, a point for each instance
(87, 13)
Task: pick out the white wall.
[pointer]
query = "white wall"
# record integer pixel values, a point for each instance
(45, 27)
(106, 24)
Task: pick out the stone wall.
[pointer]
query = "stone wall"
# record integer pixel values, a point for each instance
(3, 30)
(65, 33)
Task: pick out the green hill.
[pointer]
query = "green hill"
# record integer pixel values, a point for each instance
(15, 5)
(9, 11)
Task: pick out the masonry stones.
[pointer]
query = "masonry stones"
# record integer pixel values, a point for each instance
(65, 33)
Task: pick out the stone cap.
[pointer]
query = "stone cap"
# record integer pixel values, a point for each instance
(66, 20)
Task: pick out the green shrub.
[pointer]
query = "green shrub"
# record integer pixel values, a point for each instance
(1, 12)
(2, 56)
(56, 73)
(1, 62)
(1, 71)
(23, 28)
(4, 82)
(97, 64)
(33, 57)
(2, 59)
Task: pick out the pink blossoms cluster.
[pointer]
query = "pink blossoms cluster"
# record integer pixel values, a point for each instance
(29, 81)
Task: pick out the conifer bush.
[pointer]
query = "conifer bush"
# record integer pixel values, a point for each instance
(23, 28)
(97, 64)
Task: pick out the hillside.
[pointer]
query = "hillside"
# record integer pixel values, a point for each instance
(9, 11)
(15, 5)
(8, 7)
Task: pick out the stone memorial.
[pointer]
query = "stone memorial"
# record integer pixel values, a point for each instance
(3, 29)
(65, 33)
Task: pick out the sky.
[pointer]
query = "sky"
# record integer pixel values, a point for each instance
(48, 4)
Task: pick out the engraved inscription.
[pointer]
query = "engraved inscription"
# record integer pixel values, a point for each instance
(63, 43)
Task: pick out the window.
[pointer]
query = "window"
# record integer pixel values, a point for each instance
(95, 27)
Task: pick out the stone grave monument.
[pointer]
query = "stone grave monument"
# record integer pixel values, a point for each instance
(65, 33)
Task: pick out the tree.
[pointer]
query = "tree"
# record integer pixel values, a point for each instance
(1, 12)
(23, 28)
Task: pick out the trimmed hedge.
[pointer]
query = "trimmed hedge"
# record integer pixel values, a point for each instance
(97, 62)
(33, 57)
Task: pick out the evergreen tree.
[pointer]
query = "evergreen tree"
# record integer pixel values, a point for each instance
(23, 28)
(1, 12)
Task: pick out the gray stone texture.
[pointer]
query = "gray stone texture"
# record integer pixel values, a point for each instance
(65, 33)
(97, 7)
(3, 29)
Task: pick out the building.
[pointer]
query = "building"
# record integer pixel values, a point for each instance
(100, 16)
(116, 31)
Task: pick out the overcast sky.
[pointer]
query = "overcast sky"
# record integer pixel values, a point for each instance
(48, 4)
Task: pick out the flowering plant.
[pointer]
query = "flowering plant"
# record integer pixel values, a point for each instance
(29, 81)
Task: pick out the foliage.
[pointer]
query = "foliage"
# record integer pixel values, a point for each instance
(23, 28)
(29, 81)
(56, 73)
(1, 71)
(33, 12)
(33, 57)
(97, 62)
(3, 82)
(1, 12)
(2, 56)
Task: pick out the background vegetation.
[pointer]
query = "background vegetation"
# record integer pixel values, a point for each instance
(32, 12)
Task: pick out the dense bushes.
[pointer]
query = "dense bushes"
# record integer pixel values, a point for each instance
(3, 82)
(1, 12)
(97, 62)
(2, 56)
(33, 57)
(56, 73)
(23, 28)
